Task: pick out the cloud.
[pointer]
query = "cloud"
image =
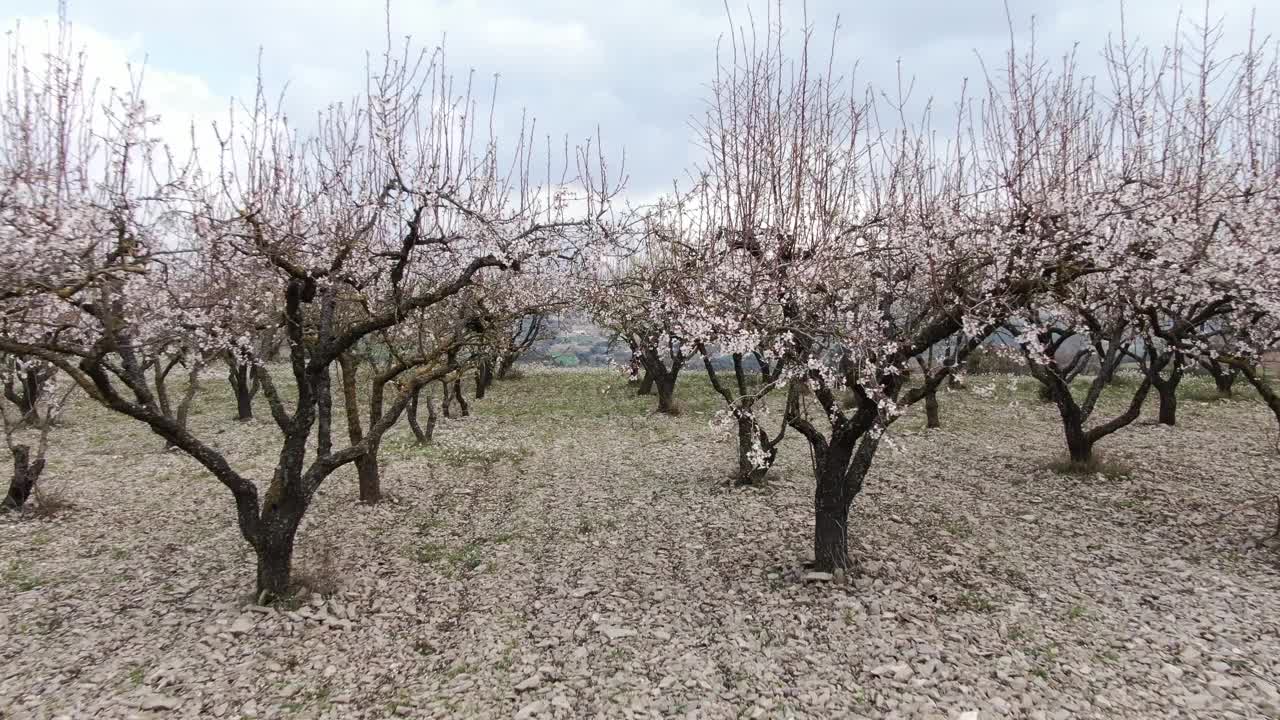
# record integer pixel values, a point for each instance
(637, 69)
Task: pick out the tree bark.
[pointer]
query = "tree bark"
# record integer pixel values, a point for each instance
(446, 399)
(484, 378)
(370, 479)
(833, 493)
(424, 435)
(275, 558)
(1167, 389)
(666, 394)
(748, 473)
(931, 409)
(1168, 395)
(1225, 384)
(646, 383)
(505, 365)
(241, 381)
(464, 410)
(1268, 393)
(25, 475)
(1079, 446)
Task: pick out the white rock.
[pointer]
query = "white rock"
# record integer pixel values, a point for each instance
(160, 702)
(816, 576)
(533, 708)
(242, 625)
(615, 633)
(529, 683)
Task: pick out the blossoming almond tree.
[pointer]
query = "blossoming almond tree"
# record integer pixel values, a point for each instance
(398, 184)
(893, 238)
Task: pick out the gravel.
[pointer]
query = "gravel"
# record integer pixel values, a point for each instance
(549, 564)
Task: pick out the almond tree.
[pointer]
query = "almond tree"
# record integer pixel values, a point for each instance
(398, 184)
(629, 297)
(522, 333)
(892, 239)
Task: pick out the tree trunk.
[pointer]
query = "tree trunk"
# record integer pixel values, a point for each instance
(446, 399)
(484, 377)
(1168, 395)
(1259, 383)
(423, 435)
(275, 560)
(748, 473)
(831, 501)
(242, 387)
(1225, 384)
(505, 365)
(25, 475)
(931, 410)
(1079, 446)
(667, 394)
(370, 479)
(464, 410)
(646, 384)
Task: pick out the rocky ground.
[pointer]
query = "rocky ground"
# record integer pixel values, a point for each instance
(565, 553)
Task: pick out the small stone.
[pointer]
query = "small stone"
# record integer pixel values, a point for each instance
(615, 633)
(242, 625)
(533, 708)
(529, 683)
(160, 702)
(1199, 701)
(817, 576)
(1173, 672)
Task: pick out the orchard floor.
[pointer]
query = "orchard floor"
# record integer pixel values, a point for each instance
(566, 553)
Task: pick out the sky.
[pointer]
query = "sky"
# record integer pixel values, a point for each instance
(637, 70)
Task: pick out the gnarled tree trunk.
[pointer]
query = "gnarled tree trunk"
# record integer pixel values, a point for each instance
(931, 409)
(464, 410)
(25, 474)
(243, 387)
(424, 435)
(666, 393)
(646, 383)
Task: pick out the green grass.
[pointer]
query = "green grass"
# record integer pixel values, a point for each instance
(975, 602)
(18, 576)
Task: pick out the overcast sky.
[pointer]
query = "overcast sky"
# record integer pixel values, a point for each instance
(637, 68)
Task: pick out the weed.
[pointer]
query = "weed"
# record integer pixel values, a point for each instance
(1095, 465)
(469, 557)
(974, 602)
(430, 552)
(51, 499)
(19, 576)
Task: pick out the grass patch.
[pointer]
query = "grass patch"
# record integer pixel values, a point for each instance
(974, 602)
(18, 576)
(464, 456)
(1096, 465)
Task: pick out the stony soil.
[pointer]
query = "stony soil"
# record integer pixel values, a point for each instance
(565, 553)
